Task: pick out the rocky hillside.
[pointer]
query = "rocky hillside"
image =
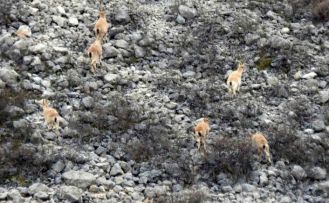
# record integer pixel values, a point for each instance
(128, 129)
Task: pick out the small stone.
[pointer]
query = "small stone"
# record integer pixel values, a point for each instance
(298, 75)
(139, 51)
(58, 166)
(227, 188)
(38, 187)
(116, 170)
(323, 96)
(285, 199)
(318, 173)
(73, 21)
(318, 125)
(279, 42)
(298, 172)
(88, 101)
(248, 188)
(180, 19)
(60, 21)
(122, 15)
(285, 30)
(309, 75)
(3, 194)
(61, 10)
(324, 186)
(39, 48)
(122, 44)
(187, 12)
(189, 74)
(70, 193)
(41, 195)
(111, 78)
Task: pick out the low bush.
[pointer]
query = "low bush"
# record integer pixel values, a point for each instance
(286, 145)
(20, 159)
(232, 156)
(320, 9)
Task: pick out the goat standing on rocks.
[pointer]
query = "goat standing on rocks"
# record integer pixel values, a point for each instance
(95, 52)
(260, 142)
(234, 79)
(201, 133)
(50, 115)
(101, 26)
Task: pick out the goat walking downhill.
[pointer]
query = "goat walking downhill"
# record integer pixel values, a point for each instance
(95, 52)
(234, 79)
(259, 141)
(101, 26)
(201, 133)
(50, 115)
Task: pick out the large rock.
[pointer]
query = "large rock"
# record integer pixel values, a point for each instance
(318, 173)
(323, 96)
(111, 78)
(279, 42)
(70, 193)
(79, 178)
(110, 51)
(122, 15)
(39, 48)
(8, 75)
(318, 125)
(122, 44)
(38, 187)
(139, 51)
(3, 193)
(298, 172)
(324, 186)
(187, 12)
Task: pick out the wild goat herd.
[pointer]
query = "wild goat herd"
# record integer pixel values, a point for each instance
(52, 117)
(258, 140)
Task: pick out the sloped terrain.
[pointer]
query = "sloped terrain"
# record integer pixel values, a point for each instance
(128, 130)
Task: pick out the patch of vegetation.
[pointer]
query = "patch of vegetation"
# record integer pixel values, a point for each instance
(303, 111)
(120, 115)
(286, 145)
(232, 156)
(5, 8)
(19, 158)
(320, 9)
(264, 63)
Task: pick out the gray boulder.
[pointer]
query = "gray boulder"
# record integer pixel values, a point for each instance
(38, 187)
(110, 51)
(70, 193)
(80, 179)
(318, 173)
(8, 75)
(116, 170)
(187, 12)
(298, 172)
(122, 15)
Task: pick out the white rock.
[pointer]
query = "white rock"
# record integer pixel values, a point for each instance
(309, 75)
(285, 30)
(73, 21)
